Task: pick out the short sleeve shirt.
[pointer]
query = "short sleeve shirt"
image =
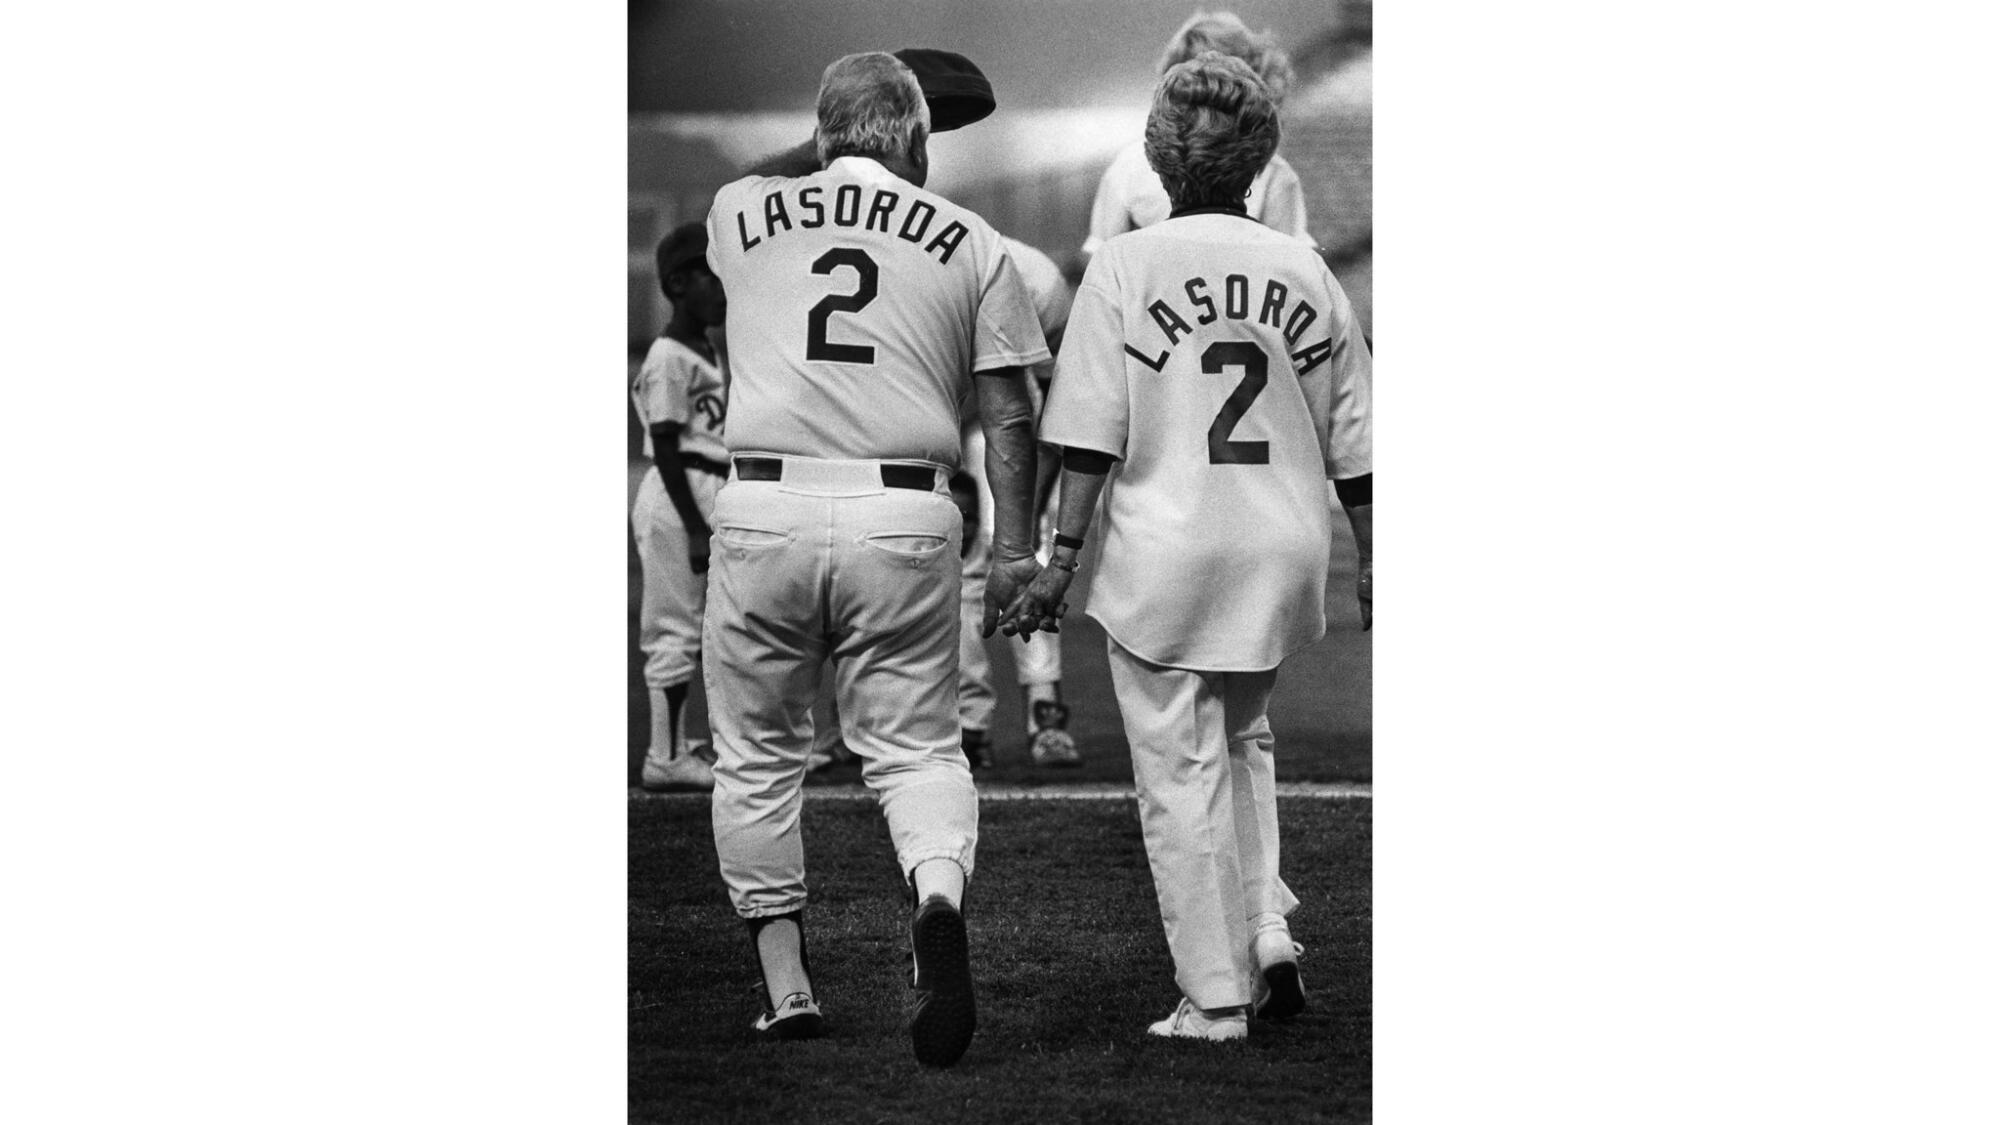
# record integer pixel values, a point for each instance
(860, 306)
(675, 384)
(1220, 362)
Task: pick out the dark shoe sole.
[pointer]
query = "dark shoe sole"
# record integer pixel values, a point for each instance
(807, 1026)
(942, 1028)
(1288, 996)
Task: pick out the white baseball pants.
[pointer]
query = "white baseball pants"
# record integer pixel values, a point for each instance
(828, 563)
(1208, 806)
(1035, 662)
(671, 594)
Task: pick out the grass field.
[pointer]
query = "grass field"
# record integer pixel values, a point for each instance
(1070, 965)
(1070, 958)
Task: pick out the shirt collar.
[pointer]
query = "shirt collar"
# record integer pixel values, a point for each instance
(1238, 210)
(864, 168)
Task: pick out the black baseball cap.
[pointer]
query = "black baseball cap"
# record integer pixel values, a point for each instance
(957, 92)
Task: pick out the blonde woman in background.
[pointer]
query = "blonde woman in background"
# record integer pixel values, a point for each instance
(1130, 197)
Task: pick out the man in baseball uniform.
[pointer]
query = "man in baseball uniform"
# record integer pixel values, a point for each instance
(866, 309)
(681, 395)
(1212, 380)
(957, 94)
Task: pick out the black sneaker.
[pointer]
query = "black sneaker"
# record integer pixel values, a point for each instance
(942, 1028)
(978, 748)
(796, 1018)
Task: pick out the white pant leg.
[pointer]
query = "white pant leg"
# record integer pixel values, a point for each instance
(672, 595)
(894, 607)
(976, 699)
(1040, 661)
(1175, 721)
(764, 650)
(1246, 699)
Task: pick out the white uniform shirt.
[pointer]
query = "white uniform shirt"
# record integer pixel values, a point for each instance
(1220, 361)
(675, 384)
(860, 305)
(1130, 197)
(1047, 288)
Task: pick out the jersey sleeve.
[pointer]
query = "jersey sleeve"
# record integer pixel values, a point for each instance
(1350, 429)
(670, 400)
(649, 388)
(1110, 211)
(1285, 202)
(1006, 332)
(1088, 405)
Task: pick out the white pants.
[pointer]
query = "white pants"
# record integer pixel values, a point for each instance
(671, 594)
(830, 564)
(1035, 662)
(1208, 805)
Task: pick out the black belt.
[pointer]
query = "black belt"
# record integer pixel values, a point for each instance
(920, 477)
(719, 468)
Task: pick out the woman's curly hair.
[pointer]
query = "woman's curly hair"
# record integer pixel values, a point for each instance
(1227, 33)
(1213, 127)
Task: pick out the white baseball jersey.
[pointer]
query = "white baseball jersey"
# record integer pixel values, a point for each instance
(1047, 288)
(860, 305)
(675, 384)
(1220, 362)
(1130, 197)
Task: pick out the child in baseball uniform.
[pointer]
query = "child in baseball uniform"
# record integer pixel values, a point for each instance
(682, 395)
(1212, 381)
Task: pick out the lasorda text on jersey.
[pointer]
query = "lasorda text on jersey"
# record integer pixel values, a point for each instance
(1235, 290)
(847, 211)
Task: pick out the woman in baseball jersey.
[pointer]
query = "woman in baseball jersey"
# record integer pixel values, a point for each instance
(1212, 380)
(1131, 196)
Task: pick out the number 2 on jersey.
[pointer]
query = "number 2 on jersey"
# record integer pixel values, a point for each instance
(817, 345)
(1256, 373)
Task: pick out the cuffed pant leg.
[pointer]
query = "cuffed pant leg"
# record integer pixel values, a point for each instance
(896, 599)
(763, 661)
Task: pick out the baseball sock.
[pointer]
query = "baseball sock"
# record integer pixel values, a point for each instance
(667, 722)
(1033, 693)
(780, 942)
(939, 877)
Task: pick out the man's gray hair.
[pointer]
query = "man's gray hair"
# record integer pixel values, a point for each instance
(870, 105)
(1213, 127)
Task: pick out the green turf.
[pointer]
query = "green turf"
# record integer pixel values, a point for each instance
(1321, 712)
(1070, 963)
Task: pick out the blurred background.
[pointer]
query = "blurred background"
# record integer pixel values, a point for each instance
(718, 84)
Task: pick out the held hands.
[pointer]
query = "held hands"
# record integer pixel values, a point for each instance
(1040, 606)
(1005, 582)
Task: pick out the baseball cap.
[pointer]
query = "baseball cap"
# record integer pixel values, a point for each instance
(957, 92)
(685, 245)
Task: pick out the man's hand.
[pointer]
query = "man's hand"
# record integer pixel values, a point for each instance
(1041, 605)
(1004, 584)
(1366, 590)
(698, 549)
